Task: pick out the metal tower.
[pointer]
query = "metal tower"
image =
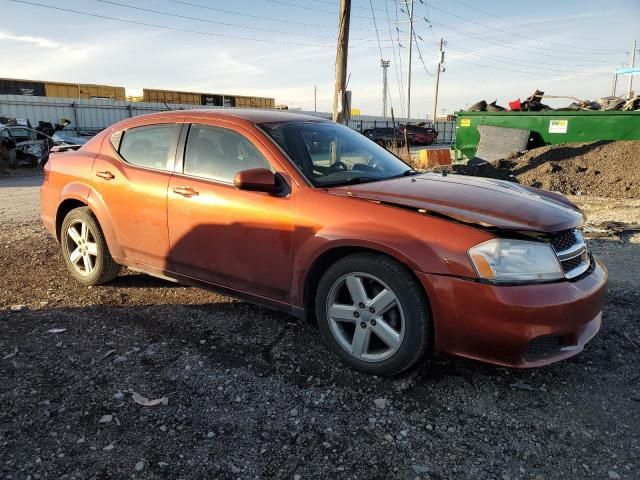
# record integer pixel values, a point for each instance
(385, 65)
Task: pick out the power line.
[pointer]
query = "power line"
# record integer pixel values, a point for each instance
(502, 44)
(420, 56)
(395, 63)
(500, 59)
(304, 7)
(537, 27)
(382, 64)
(404, 109)
(226, 24)
(375, 26)
(329, 2)
(259, 17)
(522, 71)
(427, 19)
(598, 51)
(165, 27)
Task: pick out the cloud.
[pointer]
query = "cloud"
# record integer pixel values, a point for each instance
(38, 41)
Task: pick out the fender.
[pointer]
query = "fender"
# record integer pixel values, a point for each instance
(76, 191)
(87, 195)
(365, 236)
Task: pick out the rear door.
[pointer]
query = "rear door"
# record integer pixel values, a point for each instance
(225, 236)
(131, 176)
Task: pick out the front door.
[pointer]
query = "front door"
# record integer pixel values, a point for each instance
(131, 176)
(225, 236)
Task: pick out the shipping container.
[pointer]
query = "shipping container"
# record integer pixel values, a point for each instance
(210, 99)
(170, 96)
(9, 86)
(255, 102)
(81, 90)
(59, 90)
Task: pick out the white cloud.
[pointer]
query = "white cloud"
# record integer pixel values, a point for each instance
(37, 41)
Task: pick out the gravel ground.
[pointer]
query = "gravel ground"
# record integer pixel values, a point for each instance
(252, 393)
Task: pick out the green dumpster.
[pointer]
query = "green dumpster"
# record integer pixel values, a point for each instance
(548, 128)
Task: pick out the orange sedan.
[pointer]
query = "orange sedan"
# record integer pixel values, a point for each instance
(308, 216)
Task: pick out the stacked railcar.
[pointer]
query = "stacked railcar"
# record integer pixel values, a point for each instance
(10, 86)
(31, 88)
(212, 99)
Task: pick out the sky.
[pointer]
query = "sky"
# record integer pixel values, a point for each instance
(494, 49)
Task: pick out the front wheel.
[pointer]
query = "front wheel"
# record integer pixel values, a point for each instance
(373, 313)
(85, 250)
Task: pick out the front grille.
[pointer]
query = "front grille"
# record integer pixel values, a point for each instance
(569, 265)
(572, 253)
(563, 240)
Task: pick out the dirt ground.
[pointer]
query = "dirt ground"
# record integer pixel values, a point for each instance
(606, 169)
(253, 393)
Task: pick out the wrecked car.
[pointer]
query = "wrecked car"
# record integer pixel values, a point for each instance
(390, 263)
(23, 146)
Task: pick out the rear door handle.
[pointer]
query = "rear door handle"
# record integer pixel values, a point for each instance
(185, 191)
(106, 175)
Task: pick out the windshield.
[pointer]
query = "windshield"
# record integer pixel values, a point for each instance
(329, 154)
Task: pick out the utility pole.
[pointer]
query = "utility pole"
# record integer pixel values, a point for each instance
(315, 99)
(385, 86)
(435, 100)
(410, 52)
(339, 94)
(406, 134)
(633, 64)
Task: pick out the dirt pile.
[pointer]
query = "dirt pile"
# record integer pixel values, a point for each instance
(607, 169)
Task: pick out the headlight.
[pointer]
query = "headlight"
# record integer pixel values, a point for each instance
(503, 260)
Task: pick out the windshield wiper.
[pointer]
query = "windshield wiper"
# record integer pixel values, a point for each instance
(406, 173)
(351, 181)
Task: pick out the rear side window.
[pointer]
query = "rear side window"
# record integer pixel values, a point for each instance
(218, 154)
(151, 146)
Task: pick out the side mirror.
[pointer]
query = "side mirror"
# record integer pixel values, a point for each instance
(256, 180)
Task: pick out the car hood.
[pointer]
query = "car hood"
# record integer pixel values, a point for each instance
(474, 200)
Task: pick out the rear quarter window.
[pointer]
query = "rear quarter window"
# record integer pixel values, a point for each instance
(149, 146)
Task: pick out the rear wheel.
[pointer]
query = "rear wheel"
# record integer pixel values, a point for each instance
(373, 314)
(85, 250)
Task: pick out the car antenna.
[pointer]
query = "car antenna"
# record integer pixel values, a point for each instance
(168, 108)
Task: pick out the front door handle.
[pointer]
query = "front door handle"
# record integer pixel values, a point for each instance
(185, 191)
(106, 175)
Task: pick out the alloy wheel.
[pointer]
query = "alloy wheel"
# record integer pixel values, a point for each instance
(82, 248)
(365, 317)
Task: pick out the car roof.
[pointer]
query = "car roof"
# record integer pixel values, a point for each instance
(248, 114)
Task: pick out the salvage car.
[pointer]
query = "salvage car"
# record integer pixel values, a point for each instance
(387, 137)
(419, 134)
(390, 263)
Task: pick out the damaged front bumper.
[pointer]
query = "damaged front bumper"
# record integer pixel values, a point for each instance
(515, 326)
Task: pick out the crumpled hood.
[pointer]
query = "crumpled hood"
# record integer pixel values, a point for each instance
(482, 201)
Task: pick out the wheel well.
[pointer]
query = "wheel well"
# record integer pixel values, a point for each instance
(64, 208)
(324, 261)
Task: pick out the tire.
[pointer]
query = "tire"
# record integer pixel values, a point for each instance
(386, 342)
(85, 251)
